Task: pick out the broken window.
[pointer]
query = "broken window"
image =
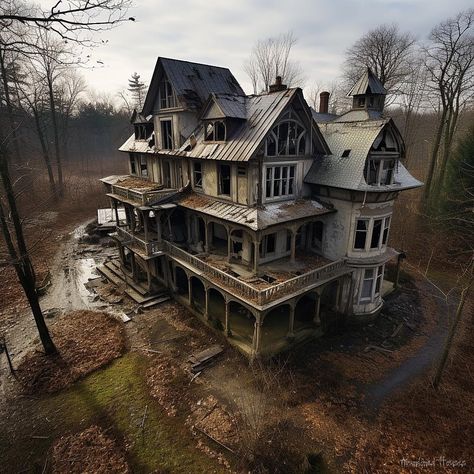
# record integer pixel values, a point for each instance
(362, 228)
(379, 172)
(167, 96)
(167, 134)
(346, 153)
(376, 233)
(224, 180)
(371, 284)
(288, 138)
(143, 166)
(268, 244)
(386, 228)
(197, 175)
(133, 165)
(215, 131)
(280, 181)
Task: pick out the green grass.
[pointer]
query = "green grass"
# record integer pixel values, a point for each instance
(115, 398)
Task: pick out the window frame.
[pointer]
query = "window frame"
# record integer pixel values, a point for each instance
(382, 240)
(143, 165)
(220, 180)
(288, 181)
(375, 280)
(170, 100)
(376, 164)
(195, 173)
(214, 123)
(275, 138)
(162, 122)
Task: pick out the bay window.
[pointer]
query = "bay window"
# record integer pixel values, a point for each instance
(371, 284)
(371, 233)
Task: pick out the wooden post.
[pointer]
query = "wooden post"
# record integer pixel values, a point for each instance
(229, 244)
(190, 293)
(291, 328)
(317, 319)
(158, 226)
(256, 256)
(293, 246)
(117, 220)
(134, 265)
(227, 323)
(256, 336)
(145, 224)
(206, 306)
(206, 236)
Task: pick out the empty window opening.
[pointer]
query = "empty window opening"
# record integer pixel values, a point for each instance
(215, 131)
(143, 166)
(376, 232)
(346, 153)
(362, 228)
(197, 175)
(166, 134)
(268, 244)
(133, 165)
(167, 96)
(288, 138)
(224, 180)
(379, 172)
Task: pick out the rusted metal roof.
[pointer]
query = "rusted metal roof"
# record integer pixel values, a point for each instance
(368, 83)
(192, 82)
(252, 217)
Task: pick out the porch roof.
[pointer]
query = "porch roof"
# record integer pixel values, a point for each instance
(252, 217)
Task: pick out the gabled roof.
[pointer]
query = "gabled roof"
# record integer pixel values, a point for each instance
(368, 83)
(225, 105)
(192, 82)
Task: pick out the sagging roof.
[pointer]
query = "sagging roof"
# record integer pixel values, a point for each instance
(368, 83)
(192, 82)
(225, 106)
(347, 172)
(252, 217)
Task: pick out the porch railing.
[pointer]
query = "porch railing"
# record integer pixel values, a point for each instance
(143, 198)
(149, 248)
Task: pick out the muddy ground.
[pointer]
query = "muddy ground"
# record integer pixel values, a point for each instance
(317, 406)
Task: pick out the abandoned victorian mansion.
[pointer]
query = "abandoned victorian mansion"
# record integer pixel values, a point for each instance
(268, 220)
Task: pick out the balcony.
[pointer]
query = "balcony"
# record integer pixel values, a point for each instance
(258, 291)
(136, 191)
(152, 248)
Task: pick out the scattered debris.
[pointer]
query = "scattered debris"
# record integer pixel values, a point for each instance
(200, 360)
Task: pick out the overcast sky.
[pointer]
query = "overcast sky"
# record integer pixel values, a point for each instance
(223, 32)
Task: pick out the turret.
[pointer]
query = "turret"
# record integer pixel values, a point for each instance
(368, 92)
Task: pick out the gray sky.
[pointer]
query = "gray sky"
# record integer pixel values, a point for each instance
(223, 33)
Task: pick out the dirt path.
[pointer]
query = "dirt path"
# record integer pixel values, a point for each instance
(425, 357)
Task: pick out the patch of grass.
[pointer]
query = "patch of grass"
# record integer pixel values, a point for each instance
(116, 398)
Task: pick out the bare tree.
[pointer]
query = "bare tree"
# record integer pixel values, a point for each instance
(450, 66)
(387, 51)
(270, 58)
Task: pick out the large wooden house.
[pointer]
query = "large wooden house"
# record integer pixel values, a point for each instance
(269, 221)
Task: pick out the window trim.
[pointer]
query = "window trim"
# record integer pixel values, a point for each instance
(213, 123)
(162, 121)
(382, 243)
(272, 166)
(381, 161)
(376, 281)
(195, 182)
(275, 138)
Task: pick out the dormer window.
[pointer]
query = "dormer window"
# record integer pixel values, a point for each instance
(361, 102)
(379, 171)
(215, 131)
(288, 138)
(167, 95)
(143, 130)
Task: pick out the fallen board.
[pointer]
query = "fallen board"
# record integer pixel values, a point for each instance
(201, 359)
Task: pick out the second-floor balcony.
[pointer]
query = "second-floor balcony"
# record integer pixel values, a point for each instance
(137, 191)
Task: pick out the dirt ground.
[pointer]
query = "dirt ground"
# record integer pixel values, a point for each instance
(354, 402)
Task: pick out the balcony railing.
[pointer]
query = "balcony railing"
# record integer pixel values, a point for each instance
(149, 248)
(262, 296)
(144, 198)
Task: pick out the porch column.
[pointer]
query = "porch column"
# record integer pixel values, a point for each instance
(190, 292)
(115, 204)
(206, 307)
(256, 256)
(227, 324)
(293, 246)
(206, 236)
(134, 265)
(291, 329)
(145, 224)
(158, 225)
(257, 334)
(317, 307)
(229, 244)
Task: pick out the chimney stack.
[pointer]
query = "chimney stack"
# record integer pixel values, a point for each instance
(324, 102)
(278, 86)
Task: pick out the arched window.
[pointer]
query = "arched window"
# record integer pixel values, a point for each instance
(288, 138)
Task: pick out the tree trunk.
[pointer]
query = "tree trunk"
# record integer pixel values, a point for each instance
(57, 148)
(434, 155)
(21, 259)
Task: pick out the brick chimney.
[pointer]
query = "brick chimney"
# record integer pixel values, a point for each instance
(324, 102)
(278, 86)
